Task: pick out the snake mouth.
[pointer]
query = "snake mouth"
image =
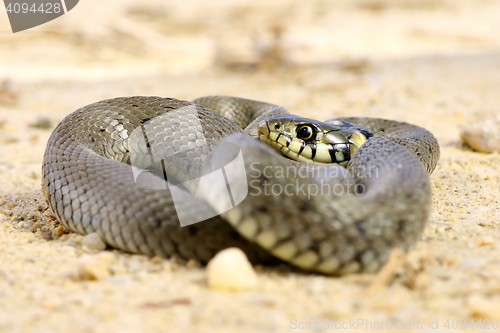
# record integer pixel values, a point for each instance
(317, 153)
(284, 150)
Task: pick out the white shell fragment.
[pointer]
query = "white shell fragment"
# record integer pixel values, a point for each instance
(93, 242)
(483, 134)
(231, 270)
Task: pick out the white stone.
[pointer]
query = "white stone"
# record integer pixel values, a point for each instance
(483, 134)
(231, 270)
(93, 242)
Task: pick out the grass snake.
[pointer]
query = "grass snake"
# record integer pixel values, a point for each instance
(384, 200)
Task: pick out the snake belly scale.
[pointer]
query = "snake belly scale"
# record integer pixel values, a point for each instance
(90, 186)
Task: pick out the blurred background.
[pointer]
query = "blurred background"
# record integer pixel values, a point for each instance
(135, 37)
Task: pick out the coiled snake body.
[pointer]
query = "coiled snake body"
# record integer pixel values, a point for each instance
(91, 187)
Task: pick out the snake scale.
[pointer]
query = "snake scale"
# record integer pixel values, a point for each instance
(91, 187)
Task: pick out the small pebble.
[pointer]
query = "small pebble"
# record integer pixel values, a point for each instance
(95, 267)
(157, 259)
(57, 232)
(486, 240)
(47, 234)
(191, 263)
(484, 307)
(9, 94)
(231, 270)
(483, 134)
(93, 242)
(42, 122)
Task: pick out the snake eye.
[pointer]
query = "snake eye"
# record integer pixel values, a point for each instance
(306, 132)
(277, 126)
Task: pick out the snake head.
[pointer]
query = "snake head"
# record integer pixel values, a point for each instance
(308, 141)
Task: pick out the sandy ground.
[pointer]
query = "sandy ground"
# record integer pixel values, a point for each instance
(432, 63)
